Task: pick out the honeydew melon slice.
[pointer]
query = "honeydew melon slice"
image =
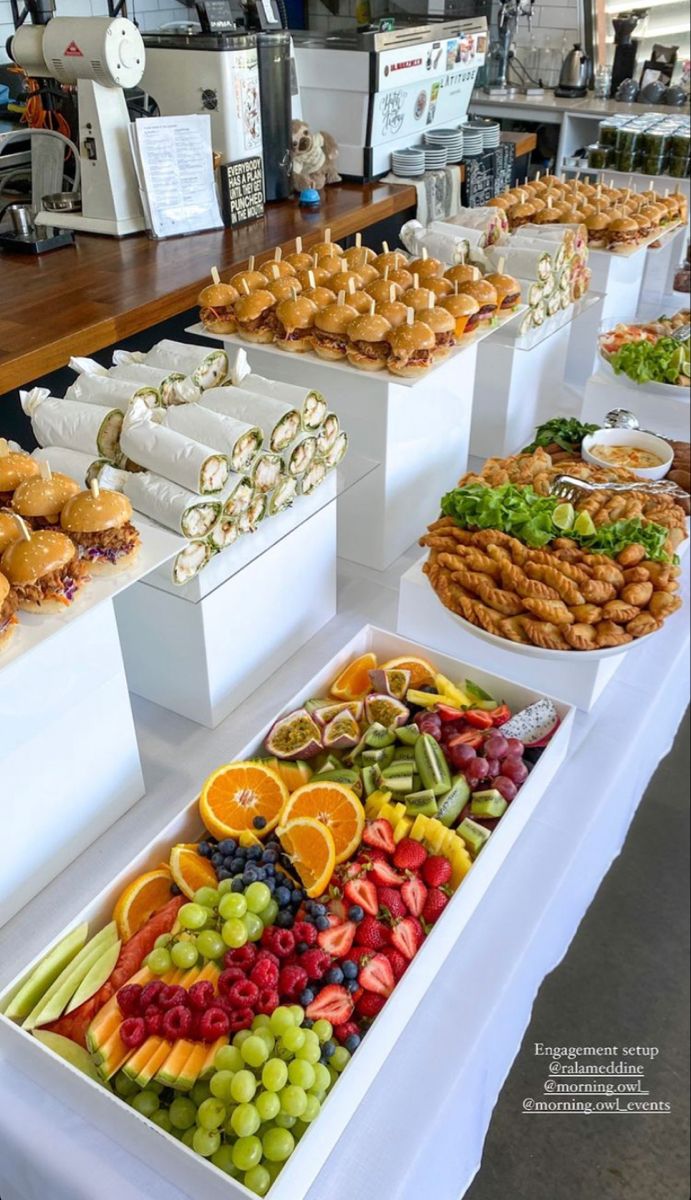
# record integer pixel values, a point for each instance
(54, 1001)
(74, 1054)
(34, 987)
(96, 977)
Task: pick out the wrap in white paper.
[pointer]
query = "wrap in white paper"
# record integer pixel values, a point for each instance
(281, 422)
(328, 433)
(206, 368)
(451, 247)
(74, 463)
(176, 508)
(283, 495)
(492, 220)
(189, 463)
(310, 404)
(191, 560)
(476, 237)
(166, 383)
(240, 441)
(94, 430)
(109, 393)
(522, 261)
(301, 455)
(237, 495)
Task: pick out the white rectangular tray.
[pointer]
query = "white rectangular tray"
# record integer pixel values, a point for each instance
(168, 1156)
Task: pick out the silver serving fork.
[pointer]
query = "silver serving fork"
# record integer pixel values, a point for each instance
(682, 334)
(568, 487)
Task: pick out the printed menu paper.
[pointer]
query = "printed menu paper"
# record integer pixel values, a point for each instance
(174, 163)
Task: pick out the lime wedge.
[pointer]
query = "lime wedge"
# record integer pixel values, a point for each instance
(564, 516)
(583, 525)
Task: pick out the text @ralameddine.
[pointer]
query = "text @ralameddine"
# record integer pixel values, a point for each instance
(595, 1080)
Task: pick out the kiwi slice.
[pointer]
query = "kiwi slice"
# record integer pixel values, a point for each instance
(383, 757)
(452, 804)
(371, 778)
(421, 803)
(378, 737)
(473, 835)
(488, 804)
(351, 779)
(399, 768)
(408, 734)
(402, 784)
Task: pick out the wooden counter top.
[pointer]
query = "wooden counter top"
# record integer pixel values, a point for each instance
(103, 290)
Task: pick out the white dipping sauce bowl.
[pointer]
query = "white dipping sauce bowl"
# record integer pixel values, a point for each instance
(630, 437)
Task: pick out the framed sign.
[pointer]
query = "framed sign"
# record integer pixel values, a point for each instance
(242, 190)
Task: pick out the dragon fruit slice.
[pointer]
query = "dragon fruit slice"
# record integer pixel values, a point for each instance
(295, 736)
(534, 725)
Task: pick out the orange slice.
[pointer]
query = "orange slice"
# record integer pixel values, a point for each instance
(235, 794)
(189, 870)
(310, 847)
(144, 896)
(354, 682)
(334, 805)
(421, 671)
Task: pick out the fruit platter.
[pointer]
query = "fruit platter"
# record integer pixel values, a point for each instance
(246, 976)
(520, 565)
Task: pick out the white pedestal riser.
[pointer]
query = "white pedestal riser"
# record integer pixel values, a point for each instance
(514, 389)
(203, 659)
(619, 278)
(666, 415)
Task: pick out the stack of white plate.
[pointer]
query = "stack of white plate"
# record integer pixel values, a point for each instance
(472, 141)
(408, 163)
(450, 139)
(436, 158)
(491, 132)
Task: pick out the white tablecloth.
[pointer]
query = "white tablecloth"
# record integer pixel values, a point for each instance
(420, 1130)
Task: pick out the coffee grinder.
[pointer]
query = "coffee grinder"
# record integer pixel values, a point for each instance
(625, 48)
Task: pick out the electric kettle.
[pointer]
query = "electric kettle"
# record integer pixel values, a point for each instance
(576, 73)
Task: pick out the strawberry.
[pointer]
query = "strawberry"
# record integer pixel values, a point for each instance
(407, 936)
(337, 940)
(436, 870)
(363, 892)
(409, 855)
(333, 1004)
(435, 904)
(383, 874)
(377, 976)
(414, 893)
(392, 903)
(398, 961)
(372, 854)
(372, 934)
(350, 870)
(341, 1032)
(380, 834)
(369, 1004)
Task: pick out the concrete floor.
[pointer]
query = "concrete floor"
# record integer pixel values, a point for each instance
(625, 981)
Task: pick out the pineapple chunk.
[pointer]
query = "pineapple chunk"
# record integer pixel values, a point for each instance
(460, 863)
(403, 828)
(373, 804)
(419, 828)
(435, 835)
(454, 695)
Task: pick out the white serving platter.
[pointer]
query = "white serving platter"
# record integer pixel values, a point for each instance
(668, 391)
(169, 1157)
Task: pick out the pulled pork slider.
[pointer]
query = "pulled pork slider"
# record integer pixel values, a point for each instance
(508, 290)
(393, 311)
(327, 249)
(216, 307)
(368, 348)
(465, 311)
(331, 265)
(14, 469)
(367, 274)
(598, 227)
(402, 276)
(462, 273)
(395, 260)
(361, 301)
(418, 298)
(40, 501)
(285, 288)
(9, 530)
(443, 326)
(254, 280)
(319, 277)
(340, 281)
(486, 296)
(45, 571)
(426, 268)
(441, 287)
(256, 317)
(546, 216)
(276, 268)
(294, 324)
(521, 214)
(623, 231)
(299, 261)
(321, 296)
(359, 256)
(382, 289)
(8, 607)
(330, 337)
(413, 349)
(99, 524)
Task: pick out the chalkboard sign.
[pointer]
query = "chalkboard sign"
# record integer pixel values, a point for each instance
(242, 191)
(478, 186)
(504, 159)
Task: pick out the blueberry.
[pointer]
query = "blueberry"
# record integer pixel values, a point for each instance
(260, 873)
(322, 923)
(282, 896)
(352, 985)
(250, 874)
(349, 969)
(319, 910)
(254, 852)
(270, 855)
(204, 849)
(307, 1023)
(224, 873)
(306, 997)
(329, 1048)
(301, 947)
(259, 822)
(174, 889)
(271, 884)
(227, 846)
(351, 1043)
(355, 913)
(269, 869)
(217, 859)
(296, 896)
(237, 864)
(284, 920)
(237, 885)
(334, 975)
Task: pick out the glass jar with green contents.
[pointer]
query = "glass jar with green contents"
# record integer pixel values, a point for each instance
(679, 144)
(627, 139)
(611, 162)
(607, 132)
(652, 142)
(597, 157)
(650, 164)
(678, 167)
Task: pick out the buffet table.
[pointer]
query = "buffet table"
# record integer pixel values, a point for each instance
(528, 917)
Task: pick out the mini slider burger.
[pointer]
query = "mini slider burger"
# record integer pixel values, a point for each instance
(340, 281)
(418, 298)
(395, 260)
(462, 273)
(441, 287)
(465, 311)
(44, 570)
(14, 469)
(368, 348)
(8, 607)
(361, 301)
(99, 523)
(321, 296)
(402, 276)
(330, 336)
(507, 288)
(426, 268)
(413, 348)
(40, 501)
(314, 277)
(285, 288)
(216, 307)
(10, 530)
(256, 317)
(383, 289)
(248, 280)
(393, 311)
(276, 268)
(359, 256)
(330, 265)
(485, 295)
(294, 324)
(443, 326)
(623, 231)
(299, 260)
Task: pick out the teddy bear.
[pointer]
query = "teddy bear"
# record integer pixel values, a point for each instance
(314, 158)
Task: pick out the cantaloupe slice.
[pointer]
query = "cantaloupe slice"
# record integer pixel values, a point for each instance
(103, 1019)
(145, 1061)
(208, 1067)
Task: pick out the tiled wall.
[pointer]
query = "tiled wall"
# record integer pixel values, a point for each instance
(150, 14)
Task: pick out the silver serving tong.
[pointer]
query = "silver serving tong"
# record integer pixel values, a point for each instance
(568, 487)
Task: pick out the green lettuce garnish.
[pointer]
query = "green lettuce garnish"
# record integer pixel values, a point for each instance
(664, 361)
(566, 432)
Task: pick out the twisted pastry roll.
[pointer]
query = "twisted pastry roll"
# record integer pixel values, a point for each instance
(596, 591)
(609, 634)
(544, 634)
(504, 602)
(587, 614)
(554, 611)
(512, 628)
(567, 589)
(515, 580)
(610, 574)
(638, 594)
(580, 636)
(619, 612)
(643, 624)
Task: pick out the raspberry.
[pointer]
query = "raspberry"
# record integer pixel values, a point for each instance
(269, 999)
(177, 1023)
(265, 974)
(436, 870)
(315, 963)
(369, 1004)
(243, 994)
(129, 1000)
(242, 1019)
(150, 993)
(341, 1032)
(280, 942)
(243, 956)
(153, 1019)
(213, 1024)
(201, 995)
(170, 995)
(228, 977)
(303, 931)
(292, 981)
(265, 955)
(133, 1032)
